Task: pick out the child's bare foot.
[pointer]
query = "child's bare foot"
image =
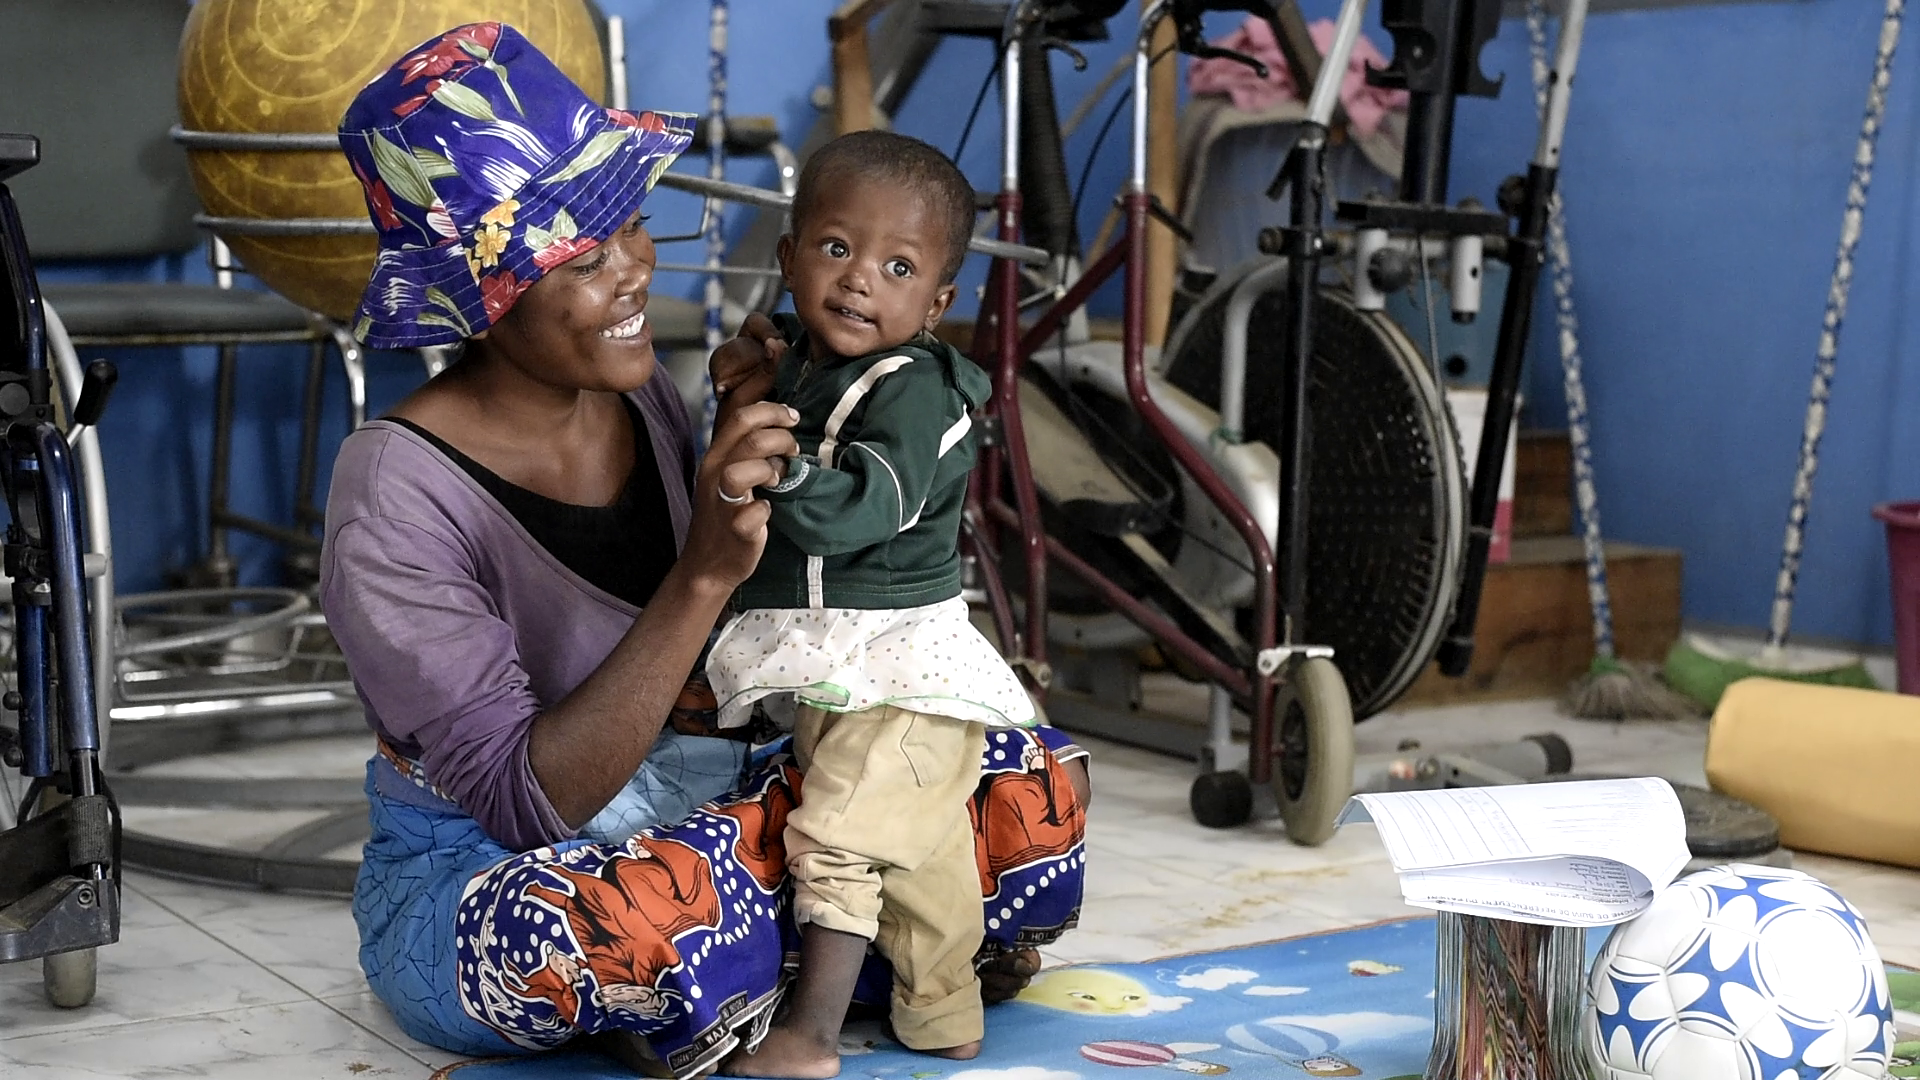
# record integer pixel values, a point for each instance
(963, 1052)
(785, 1053)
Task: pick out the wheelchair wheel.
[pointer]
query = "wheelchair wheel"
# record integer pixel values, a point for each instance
(1221, 800)
(1313, 731)
(69, 978)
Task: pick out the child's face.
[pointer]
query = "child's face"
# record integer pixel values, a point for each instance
(864, 268)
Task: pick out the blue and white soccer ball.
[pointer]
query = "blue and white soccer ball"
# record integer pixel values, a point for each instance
(1741, 973)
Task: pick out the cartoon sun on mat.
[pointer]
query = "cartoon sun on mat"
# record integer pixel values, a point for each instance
(1131, 1054)
(1094, 992)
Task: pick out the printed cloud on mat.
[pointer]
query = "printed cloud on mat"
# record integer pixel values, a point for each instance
(1274, 991)
(1157, 1004)
(1214, 978)
(1020, 1072)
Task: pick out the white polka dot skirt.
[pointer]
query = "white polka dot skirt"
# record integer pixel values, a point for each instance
(928, 659)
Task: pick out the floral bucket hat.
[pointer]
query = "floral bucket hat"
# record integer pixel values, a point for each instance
(485, 167)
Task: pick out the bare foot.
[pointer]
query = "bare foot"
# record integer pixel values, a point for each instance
(963, 1052)
(1003, 977)
(784, 1053)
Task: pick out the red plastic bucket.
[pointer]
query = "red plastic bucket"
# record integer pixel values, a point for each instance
(1903, 558)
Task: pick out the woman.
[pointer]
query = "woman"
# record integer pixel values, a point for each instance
(523, 564)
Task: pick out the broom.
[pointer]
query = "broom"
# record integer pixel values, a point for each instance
(1701, 669)
(1610, 690)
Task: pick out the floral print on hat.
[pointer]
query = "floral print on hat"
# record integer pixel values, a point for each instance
(484, 167)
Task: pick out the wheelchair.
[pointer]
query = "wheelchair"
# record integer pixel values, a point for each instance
(60, 855)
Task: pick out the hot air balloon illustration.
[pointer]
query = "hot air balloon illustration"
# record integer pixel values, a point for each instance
(1309, 1043)
(1127, 1053)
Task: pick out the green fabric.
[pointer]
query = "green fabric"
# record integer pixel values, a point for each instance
(1704, 678)
(886, 471)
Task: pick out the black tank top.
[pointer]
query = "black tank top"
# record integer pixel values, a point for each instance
(624, 548)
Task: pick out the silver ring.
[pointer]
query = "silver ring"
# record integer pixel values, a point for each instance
(732, 500)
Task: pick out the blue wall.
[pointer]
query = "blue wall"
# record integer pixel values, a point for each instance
(1706, 166)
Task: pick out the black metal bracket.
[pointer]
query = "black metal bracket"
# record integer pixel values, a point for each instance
(1292, 242)
(1068, 21)
(1191, 35)
(1159, 212)
(1398, 216)
(1422, 31)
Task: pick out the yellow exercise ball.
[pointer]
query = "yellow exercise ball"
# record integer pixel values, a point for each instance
(293, 67)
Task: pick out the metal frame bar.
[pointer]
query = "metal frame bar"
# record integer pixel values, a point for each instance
(730, 191)
(236, 140)
(1525, 253)
(287, 226)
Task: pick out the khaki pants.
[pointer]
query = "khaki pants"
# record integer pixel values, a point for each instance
(881, 846)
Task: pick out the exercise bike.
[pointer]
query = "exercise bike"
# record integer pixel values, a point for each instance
(1276, 498)
(60, 861)
(1376, 511)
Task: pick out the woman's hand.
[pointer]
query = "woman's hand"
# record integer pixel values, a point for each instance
(743, 369)
(585, 747)
(729, 526)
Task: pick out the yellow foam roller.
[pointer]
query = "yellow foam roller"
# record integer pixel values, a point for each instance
(1837, 767)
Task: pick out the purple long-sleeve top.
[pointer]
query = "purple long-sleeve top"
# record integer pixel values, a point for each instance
(458, 629)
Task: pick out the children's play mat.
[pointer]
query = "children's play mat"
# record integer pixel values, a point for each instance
(1349, 1003)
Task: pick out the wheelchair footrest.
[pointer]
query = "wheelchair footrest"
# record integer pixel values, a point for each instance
(66, 913)
(46, 906)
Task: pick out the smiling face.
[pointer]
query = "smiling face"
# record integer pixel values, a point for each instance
(866, 264)
(583, 325)
(1088, 991)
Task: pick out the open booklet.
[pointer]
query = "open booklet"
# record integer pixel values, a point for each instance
(1577, 853)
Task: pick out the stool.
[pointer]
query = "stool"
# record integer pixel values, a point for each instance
(133, 315)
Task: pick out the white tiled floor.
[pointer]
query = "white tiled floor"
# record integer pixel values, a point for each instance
(211, 982)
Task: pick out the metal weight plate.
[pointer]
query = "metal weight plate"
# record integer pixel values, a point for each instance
(1719, 826)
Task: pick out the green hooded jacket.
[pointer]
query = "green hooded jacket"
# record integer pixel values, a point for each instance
(869, 513)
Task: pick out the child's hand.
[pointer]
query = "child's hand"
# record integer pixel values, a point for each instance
(745, 366)
(697, 711)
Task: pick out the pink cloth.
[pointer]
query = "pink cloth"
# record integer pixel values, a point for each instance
(1366, 105)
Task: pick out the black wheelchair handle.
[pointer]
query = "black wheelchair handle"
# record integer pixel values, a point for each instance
(1191, 37)
(18, 153)
(95, 386)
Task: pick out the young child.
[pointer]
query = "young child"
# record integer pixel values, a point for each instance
(854, 615)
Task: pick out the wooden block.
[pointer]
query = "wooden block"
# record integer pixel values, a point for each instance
(1543, 484)
(1535, 633)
